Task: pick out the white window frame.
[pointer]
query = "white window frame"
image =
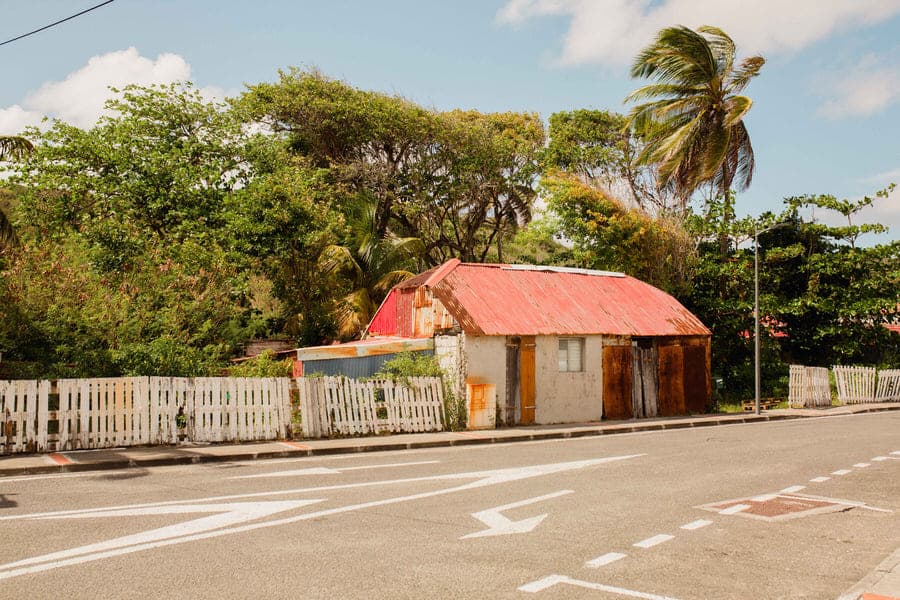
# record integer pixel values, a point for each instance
(571, 349)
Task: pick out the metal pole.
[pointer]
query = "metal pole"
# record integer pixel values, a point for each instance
(756, 311)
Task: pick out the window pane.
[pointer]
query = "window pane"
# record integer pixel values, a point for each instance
(563, 356)
(575, 354)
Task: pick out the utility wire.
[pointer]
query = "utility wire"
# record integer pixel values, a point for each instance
(24, 35)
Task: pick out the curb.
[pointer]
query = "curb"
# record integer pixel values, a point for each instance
(388, 447)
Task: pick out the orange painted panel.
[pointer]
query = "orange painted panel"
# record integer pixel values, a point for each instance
(617, 382)
(671, 381)
(526, 380)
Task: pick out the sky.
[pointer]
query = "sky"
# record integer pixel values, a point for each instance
(825, 119)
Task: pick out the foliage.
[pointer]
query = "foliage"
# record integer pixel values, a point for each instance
(264, 365)
(598, 147)
(419, 364)
(692, 123)
(608, 236)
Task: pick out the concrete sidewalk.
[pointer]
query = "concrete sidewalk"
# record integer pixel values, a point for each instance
(122, 458)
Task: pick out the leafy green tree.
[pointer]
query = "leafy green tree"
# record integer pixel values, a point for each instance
(373, 264)
(598, 146)
(609, 236)
(692, 124)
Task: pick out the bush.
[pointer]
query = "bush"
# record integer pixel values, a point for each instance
(266, 364)
(419, 364)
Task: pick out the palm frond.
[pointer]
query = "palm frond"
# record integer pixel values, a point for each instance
(14, 147)
(722, 46)
(748, 70)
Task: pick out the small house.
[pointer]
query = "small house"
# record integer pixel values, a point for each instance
(538, 345)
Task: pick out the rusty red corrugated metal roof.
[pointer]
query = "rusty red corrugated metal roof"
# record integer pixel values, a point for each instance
(492, 299)
(895, 327)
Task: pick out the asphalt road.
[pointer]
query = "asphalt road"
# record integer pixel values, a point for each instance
(724, 512)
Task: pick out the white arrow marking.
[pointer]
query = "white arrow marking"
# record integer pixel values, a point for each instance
(482, 479)
(500, 525)
(327, 471)
(552, 580)
(227, 515)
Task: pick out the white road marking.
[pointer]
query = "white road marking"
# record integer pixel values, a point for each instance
(500, 525)
(840, 502)
(608, 558)
(733, 510)
(896, 452)
(822, 479)
(880, 458)
(551, 580)
(654, 541)
(764, 497)
(327, 471)
(862, 465)
(227, 515)
(841, 472)
(793, 489)
(482, 479)
(696, 524)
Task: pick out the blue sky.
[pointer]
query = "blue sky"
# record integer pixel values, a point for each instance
(826, 117)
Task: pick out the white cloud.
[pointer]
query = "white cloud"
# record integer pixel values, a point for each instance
(613, 31)
(863, 90)
(79, 98)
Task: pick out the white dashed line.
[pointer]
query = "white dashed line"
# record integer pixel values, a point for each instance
(609, 557)
(820, 479)
(764, 497)
(841, 472)
(696, 524)
(733, 510)
(862, 465)
(880, 458)
(896, 452)
(793, 489)
(654, 541)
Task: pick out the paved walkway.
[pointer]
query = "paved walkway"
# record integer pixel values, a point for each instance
(119, 458)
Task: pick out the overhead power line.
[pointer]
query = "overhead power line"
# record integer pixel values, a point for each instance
(87, 10)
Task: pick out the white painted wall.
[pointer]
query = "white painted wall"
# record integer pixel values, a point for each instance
(567, 397)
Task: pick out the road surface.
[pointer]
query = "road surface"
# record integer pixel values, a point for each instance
(788, 509)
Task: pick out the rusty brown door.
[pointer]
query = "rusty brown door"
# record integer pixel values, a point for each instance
(617, 382)
(696, 379)
(671, 381)
(526, 380)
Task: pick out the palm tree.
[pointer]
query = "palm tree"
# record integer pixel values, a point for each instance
(12, 147)
(373, 264)
(692, 126)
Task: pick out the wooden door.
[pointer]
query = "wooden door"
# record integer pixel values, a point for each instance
(671, 381)
(644, 382)
(696, 379)
(511, 414)
(617, 382)
(526, 380)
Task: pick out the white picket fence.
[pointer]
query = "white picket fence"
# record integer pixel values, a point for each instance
(888, 389)
(855, 385)
(808, 387)
(127, 411)
(338, 405)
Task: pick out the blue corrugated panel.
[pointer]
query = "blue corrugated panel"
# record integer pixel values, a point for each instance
(355, 368)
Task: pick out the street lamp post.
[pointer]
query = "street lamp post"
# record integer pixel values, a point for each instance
(756, 232)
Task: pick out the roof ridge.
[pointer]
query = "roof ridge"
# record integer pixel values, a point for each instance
(442, 272)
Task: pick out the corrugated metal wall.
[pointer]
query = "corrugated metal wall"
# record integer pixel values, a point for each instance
(361, 366)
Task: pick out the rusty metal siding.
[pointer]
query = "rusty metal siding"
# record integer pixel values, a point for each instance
(671, 381)
(617, 382)
(385, 320)
(405, 311)
(696, 379)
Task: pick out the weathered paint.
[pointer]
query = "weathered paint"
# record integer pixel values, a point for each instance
(385, 320)
(368, 347)
(696, 379)
(526, 380)
(569, 396)
(485, 360)
(481, 402)
(671, 381)
(353, 367)
(617, 382)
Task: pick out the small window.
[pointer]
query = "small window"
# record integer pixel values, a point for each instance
(570, 352)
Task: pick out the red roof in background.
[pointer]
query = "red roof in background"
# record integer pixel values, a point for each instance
(893, 327)
(491, 299)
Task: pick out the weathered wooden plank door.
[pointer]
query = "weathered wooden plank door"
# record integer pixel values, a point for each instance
(671, 381)
(511, 414)
(526, 380)
(644, 382)
(617, 382)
